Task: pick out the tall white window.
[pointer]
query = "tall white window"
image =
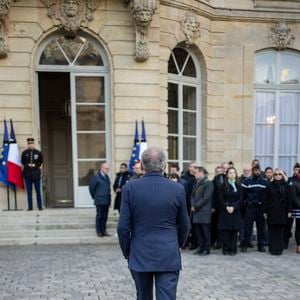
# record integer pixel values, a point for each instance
(277, 108)
(183, 108)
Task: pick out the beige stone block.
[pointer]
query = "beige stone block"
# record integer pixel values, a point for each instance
(21, 128)
(216, 76)
(15, 101)
(215, 112)
(137, 103)
(118, 18)
(132, 115)
(122, 154)
(14, 88)
(17, 114)
(164, 118)
(218, 101)
(218, 26)
(33, 30)
(215, 64)
(128, 48)
(23, 14)
(215, 89)
(215, 124)
(136, 76)
(21, 45)
(27, 4)
(126, 62)
(165, 53)
(215, 145)
(116, 33)
(214, 157)
(16, 60)
(14, 74)
(217, 39)
(218, 52)
(123, 141)
(137, 90)
(169, 40)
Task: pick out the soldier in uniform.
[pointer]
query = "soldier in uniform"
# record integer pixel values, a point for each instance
(32, 160)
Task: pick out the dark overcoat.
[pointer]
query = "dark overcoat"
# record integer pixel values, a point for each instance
(100, 189)
(120, 181)
(153, 223)
(228, 197)
(201, 200)
(277, 203)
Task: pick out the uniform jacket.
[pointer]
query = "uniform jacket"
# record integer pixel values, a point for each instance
(153, 223)
(295, 193)
(100, 189)
(201, 200)
(228, 197)
(254, 191)
(32, 159)
(277, 203)
(120, 181)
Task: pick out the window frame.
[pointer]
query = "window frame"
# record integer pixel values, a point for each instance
(277, 89)
(181, 80)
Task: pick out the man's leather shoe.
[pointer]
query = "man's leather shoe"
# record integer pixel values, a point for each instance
(261, 249)
(205, 252)
(100, 234)
(250, 245)
(198, 251)
(106, 234)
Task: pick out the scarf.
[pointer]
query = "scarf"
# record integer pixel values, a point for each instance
(232, 183)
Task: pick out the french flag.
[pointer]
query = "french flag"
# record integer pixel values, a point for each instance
(14, 166)
(144, 144)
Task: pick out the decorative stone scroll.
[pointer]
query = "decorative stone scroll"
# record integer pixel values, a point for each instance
(190, 26)
(142, 12)
(281, 35)
(4, 9)
(71, 15)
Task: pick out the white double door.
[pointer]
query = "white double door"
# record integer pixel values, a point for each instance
(90, 132)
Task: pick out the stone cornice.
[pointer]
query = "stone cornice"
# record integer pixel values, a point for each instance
(238, 15)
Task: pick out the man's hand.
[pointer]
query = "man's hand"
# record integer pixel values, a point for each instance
(193, 209)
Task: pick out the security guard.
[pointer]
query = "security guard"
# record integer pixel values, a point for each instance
(32, 160)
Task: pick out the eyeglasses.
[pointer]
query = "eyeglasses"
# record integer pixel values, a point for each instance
(278, 174)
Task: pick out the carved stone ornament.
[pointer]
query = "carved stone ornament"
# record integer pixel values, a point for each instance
(71, 15)
(281, 35)
(142, 12)
(4, 9)
(190, 27)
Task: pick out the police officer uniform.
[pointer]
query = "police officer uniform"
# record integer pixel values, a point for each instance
(32, 160)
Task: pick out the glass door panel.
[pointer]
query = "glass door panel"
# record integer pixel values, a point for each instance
(89, 132)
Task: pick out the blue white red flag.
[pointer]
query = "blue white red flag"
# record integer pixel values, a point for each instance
(135, 154)
(144, 144)
(14, 161)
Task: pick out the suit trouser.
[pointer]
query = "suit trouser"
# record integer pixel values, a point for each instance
(288, 232)
(165, 285)
(101, 218)
(255, 214)
(37, 185)
(203, 235)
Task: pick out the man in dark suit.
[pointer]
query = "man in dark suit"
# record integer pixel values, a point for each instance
(121, 179)
(100, 192)
(153, 225)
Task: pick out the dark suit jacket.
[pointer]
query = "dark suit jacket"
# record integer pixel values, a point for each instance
(120, 181)
(100, 189)
(153, 223)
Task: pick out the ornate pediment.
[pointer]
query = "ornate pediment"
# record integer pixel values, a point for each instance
(142, 13)
(190, 26)
(71, 15)
(281, 35)
(4, 9)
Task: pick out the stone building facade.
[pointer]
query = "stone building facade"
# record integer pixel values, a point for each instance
(77, 74)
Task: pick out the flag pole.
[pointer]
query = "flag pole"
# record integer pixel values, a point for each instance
(15, 192)
(8, 200)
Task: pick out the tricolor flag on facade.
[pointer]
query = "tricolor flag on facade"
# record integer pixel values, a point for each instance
(4, 156)
(14, 161)
(135, 154)
(144, 144)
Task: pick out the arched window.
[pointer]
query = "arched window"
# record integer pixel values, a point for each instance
(183, 108)
(277, 108)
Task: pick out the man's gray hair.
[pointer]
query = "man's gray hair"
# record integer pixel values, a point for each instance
(154, 159)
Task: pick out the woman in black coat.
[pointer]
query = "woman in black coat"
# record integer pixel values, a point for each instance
(229, 205)
(277, 208)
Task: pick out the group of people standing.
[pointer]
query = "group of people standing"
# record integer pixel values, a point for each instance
(224, 210)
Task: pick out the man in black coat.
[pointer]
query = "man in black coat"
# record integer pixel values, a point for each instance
(121, 179)
(32, 160)
(100, 191)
